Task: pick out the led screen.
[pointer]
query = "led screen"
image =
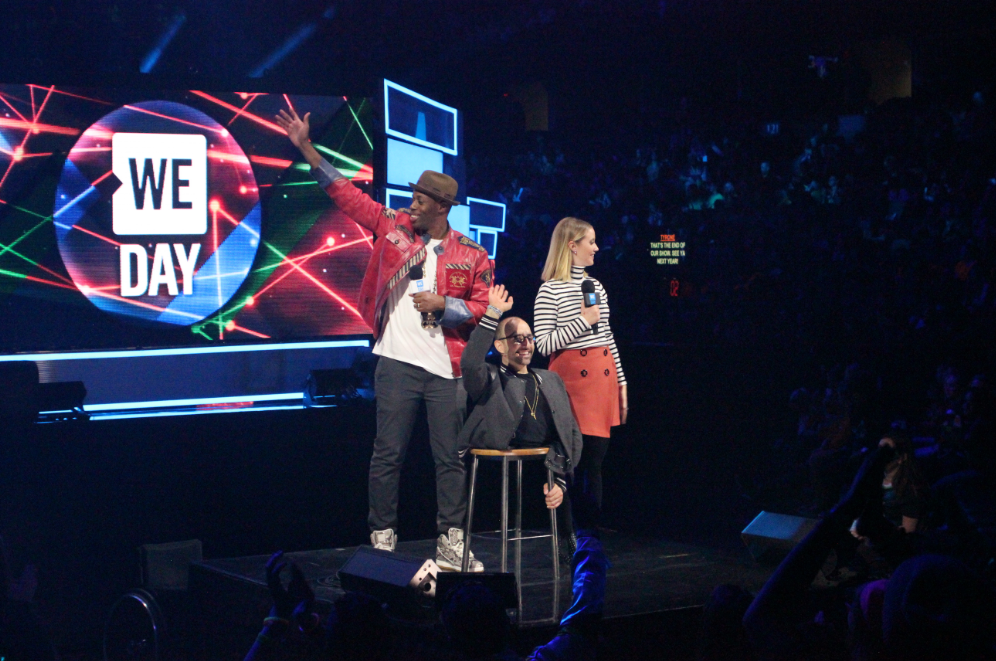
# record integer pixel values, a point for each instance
(134, 218)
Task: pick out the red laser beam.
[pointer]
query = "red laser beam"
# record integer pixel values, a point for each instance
(320, 285)
(30, 127)
(221, 132)
(6, 172)
(45, 102)
(49, 282)
(248, 115)
(3, 97)
(76, 96)
(303, 259)
(271, 162)
(236, 327)
(221, 155)
(252, 98)
(365, 173)
(99, 236)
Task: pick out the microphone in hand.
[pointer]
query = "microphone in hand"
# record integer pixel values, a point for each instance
(591, 298)
(415, 276)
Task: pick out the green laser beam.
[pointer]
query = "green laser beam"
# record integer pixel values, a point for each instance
(202, 333)
(360, 124)
(26, 234)
(17, 254)
(28, 211)
(220, 320)
(342, 157)
(304, 167)
(12, 274)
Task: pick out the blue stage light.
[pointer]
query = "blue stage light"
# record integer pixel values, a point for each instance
(182, 351)
(150, 60)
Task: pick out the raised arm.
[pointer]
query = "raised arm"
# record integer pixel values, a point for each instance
(772, 619)
(353, 202)
(476, 377)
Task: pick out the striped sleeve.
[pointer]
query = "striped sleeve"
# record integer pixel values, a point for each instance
(558, 324)
(557, 320)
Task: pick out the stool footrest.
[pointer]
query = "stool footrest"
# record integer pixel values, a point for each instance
(516, 539)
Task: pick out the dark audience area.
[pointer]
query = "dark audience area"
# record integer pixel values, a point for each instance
(865, 242)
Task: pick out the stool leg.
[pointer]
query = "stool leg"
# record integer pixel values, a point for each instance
(504, 514)
(555, 544)
(518, 540)
(465, 565)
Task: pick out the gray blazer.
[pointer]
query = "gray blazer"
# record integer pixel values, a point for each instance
(497, 411)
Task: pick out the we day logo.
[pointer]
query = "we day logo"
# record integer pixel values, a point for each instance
(157, 213)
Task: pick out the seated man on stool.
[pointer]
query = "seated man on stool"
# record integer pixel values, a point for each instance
(518, 407)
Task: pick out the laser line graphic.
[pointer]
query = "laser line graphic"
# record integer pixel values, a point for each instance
(307, 252)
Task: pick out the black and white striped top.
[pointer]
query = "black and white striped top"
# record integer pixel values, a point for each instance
(558, 324)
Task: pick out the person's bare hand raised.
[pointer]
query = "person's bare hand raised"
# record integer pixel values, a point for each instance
(297, 129)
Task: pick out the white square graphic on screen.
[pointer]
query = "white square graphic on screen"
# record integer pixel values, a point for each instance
(163, 183)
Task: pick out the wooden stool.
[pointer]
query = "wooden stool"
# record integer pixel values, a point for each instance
(506, 457)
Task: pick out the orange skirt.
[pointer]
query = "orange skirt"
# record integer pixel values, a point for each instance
(592, 385)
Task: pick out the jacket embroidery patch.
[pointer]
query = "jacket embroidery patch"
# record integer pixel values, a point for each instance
(458, 267)
(456, 278)
(464, 241)
(486, 277)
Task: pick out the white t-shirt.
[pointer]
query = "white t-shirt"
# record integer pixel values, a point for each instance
(404, 338)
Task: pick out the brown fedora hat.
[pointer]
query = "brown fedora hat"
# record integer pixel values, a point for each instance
(440, 187)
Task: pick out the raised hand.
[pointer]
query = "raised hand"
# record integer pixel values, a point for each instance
(297, 129)
(297, 592)
(867, 483)
(498, 297)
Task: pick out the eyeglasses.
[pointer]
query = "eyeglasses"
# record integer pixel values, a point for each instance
(519, 338)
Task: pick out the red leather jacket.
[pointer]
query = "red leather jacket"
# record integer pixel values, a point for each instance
(463, 270)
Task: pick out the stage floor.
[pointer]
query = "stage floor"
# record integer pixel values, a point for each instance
(646, 576)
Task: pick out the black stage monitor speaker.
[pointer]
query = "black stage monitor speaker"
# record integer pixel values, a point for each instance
(502, 584)
(18, 392)
(398, 580)
(771, 536)
(61, 396)
(336, 387)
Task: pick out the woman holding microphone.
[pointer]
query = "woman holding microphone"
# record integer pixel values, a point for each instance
(575, 333)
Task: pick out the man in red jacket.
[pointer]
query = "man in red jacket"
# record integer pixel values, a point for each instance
(420, 335)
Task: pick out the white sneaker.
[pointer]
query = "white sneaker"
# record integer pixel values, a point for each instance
(449, 553)
(383, 539)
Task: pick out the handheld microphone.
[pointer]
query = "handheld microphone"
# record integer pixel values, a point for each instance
(591, 297)
(415, 276)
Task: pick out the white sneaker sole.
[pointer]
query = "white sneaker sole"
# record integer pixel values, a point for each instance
(446, 565)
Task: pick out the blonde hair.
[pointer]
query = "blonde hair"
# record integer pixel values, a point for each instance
(558, 260)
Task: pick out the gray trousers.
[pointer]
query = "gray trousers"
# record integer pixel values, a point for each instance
(400, 388)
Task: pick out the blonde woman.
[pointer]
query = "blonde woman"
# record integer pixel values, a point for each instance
(580, 344)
